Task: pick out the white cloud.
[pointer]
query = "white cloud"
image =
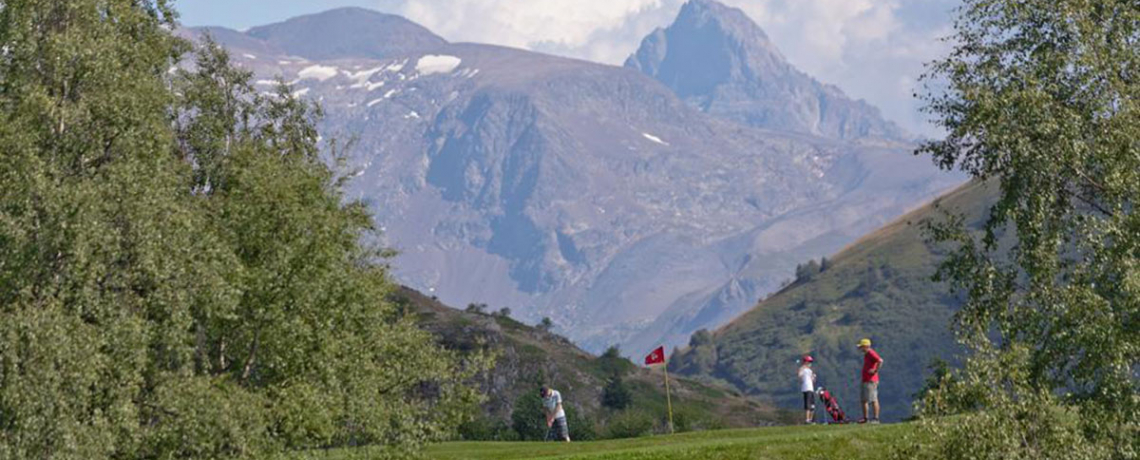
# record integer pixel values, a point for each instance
(568, 23)
(864, 46)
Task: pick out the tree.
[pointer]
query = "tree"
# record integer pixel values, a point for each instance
(504, 312)
(805, 272)
(1039, 96)
(546, 325)
(477, 308)
(615, 395)
(180, 274)
(824, 264)
(700, 338)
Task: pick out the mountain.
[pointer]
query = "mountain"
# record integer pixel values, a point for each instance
(527, 357)
(587, 193)
(879, 287)
(347, 33)
(718, 60)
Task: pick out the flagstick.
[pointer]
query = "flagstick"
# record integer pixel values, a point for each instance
(668, 399)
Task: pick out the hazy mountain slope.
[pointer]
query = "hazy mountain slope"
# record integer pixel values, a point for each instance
(717, 59)
(880, 287)
(347, 33)
(527, 357)
(587, 193)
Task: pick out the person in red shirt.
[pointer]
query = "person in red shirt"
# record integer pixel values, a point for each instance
(870, 388)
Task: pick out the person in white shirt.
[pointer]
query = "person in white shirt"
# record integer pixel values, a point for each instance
(807, 386)
(555, 415)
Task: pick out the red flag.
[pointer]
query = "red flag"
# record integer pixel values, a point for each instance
(657, 357)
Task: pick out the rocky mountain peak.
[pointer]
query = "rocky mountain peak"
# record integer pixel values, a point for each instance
(719, 60)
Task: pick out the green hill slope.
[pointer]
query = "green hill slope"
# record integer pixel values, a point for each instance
(528, 356)
(879, 287)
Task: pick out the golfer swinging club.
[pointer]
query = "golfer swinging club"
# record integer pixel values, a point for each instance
(555, 416)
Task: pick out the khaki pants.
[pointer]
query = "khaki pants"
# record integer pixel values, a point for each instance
(870, 393)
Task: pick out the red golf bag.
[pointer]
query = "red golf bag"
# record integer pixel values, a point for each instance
(831, 405)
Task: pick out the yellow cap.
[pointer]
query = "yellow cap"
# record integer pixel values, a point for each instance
(865, 343)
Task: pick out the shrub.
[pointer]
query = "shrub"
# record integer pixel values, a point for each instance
(631, 423)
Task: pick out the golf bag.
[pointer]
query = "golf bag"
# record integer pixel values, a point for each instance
(831, 405)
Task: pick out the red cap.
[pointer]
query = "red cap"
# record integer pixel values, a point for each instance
(807, 359)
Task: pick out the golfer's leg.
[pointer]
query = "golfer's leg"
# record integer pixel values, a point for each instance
(875, 407)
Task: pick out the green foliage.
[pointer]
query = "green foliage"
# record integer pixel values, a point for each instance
(1040, 96)
(487, 428)
(582, 427)
(805, 272)
(630, 423)
(528, 419)
(941, 376)
(546, 325)
(615, 395)
(701, 338)
(612, 363)
(180, 276)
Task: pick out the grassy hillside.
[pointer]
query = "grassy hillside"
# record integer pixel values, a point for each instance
(848, 442)
(879, 287)
(528, 356)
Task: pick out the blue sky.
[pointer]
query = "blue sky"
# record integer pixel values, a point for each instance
(872, 49)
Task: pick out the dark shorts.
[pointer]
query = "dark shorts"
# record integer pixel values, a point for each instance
(558, 431)
(809, 400)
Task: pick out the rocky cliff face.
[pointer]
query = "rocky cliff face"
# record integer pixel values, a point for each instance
(718, 60)
(588, 193)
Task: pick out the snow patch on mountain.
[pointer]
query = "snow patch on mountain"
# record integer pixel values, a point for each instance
(436, 63)
(396, 67)
(362, 77)
(654, 139)
(317, 72)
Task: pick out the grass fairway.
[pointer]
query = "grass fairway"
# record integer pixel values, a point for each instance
(848, 442)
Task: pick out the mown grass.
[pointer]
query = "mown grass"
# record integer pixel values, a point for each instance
(848, 442)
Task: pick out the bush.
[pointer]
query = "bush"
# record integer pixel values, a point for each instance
(629, 424)
(485, 428)
(1038, 428)
(528, 419)
(581, 428)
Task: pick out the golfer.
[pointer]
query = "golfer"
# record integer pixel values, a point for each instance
(807, 387)
(870, 394)
(555, 416)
